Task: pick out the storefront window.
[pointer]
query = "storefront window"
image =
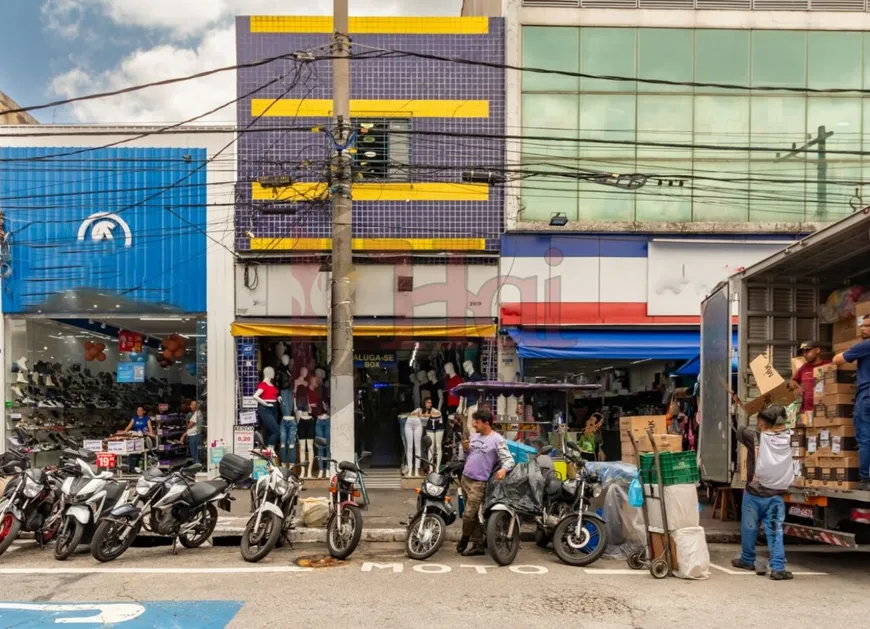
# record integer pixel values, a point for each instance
(718, 185)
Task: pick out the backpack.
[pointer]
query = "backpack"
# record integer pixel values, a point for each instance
(774, 468)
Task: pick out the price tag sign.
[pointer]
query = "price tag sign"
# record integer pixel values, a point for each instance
(811, 444)
(106, 459)
(246, 418)
(836, 445)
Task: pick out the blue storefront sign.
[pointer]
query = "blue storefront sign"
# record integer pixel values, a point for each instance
(131, 372)
(126, 615)
(111, 230)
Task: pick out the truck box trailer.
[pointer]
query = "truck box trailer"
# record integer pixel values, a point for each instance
(775, 306)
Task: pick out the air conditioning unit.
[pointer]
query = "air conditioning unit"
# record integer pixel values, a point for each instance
(568, 4)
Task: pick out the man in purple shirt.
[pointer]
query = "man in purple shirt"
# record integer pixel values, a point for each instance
(484, 452)
(861, 415)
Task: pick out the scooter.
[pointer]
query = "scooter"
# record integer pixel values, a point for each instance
(579, 538)
(427, 529)
(273, 500)
(84, 498)
(345, 523)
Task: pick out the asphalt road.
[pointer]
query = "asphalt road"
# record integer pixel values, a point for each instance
(380, 588)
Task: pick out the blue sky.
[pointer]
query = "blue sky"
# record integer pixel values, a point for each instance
(63, 48)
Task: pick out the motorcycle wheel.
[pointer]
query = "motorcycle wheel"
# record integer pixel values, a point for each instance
(421, 547)
(46, 535)
(342, 542)
(502, 549)
(198, 536)
(10, 526)
(542, 540)
(257, 544)
(69, 539)
(586, 550)
(107, 544)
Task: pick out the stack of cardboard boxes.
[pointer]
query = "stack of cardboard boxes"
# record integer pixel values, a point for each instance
(637, 426)
(826, 437)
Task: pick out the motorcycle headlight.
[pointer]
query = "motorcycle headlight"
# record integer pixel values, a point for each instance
(281, 486)
(350, 477)
(31, 488)
(596, 490)
(142, 486)
(431, 489)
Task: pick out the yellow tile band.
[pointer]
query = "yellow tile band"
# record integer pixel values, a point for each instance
(322, 108)
(372, 25)
(371, 244)
(434, 191)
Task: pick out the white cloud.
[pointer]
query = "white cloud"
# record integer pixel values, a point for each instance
(196, 35)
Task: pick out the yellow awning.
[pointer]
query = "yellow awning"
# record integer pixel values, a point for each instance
(411, 330)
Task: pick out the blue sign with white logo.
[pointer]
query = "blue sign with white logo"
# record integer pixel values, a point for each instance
(131, 372)
(124, 615)
(110, 230)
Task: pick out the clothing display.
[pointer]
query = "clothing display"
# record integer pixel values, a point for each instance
(288, 441)
(429, 391)
(268, 416)
(270, 392)
(301, 397)
(305, 428)
(322, 429)
(473, 397)
(413, 441)
(449, 384)
(287, 405)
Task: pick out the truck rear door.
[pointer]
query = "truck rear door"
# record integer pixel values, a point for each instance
(714, 447)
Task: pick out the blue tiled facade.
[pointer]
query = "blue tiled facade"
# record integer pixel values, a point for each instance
(278, 151)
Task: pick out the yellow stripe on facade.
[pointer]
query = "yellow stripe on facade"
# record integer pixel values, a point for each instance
(371, 244)
(322, 108)
(432, 330)
(426, 191)
(372, 25)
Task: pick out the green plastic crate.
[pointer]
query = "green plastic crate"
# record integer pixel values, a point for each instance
(677, 468)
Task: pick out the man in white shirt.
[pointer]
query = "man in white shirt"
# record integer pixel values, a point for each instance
(194, 420)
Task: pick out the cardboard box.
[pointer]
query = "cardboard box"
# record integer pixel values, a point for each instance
(836, 441)
(773, 387)
(832, 422)
(805, 420)
(834, 405)
(796, 363)
(840, 472)
(799, 438)
(831, 380)
(638, 425)
(839, 348)
(665, 443)
(657, 541)
(844, 331)
(741, 463)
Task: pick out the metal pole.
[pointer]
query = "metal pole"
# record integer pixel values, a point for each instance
(822, 172)
(341, 329)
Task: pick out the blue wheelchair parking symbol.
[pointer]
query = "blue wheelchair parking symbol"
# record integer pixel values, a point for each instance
(142, 615)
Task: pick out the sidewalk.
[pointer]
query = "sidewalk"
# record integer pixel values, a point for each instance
(389, 508)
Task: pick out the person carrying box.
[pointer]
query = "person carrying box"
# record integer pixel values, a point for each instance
(861, 416)
(770, 471)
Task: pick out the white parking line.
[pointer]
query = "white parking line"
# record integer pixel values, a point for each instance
(609, 571)
(243, 570)
(748, 573)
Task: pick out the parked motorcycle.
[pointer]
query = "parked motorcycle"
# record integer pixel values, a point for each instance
(345, 523)
(273, 500)
(579, 538)
(170, 504)
(427, 530)
(85, 498)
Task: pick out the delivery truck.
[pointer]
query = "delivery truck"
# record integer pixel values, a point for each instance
(775, 305)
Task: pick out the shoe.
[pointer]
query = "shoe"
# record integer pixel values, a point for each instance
(741, 565)
(474, 551)
(17, 390)
(22, 379)
(22, 364)
(781, 575)
(461, 545)
(48, 381)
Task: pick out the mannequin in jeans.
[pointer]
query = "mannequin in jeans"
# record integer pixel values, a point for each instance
(413, 440)
(268, 399)
(305, 423)
(287, 431)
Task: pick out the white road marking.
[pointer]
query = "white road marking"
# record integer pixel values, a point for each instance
(51, 571)
(748, 573)
(107, 613)
(614, 571)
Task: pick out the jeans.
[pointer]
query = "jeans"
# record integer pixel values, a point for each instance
(193, 447)
(402, 422)
(288, 441)
(772, 512)
(286, 403)
(413, 439)
(269, 421)
(321, 429)
(861, 420)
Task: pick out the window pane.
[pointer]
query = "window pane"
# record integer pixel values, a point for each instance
(771, 200)
(841, 118)
(664, 53)
(554, 49)
(721, 196)
(721, 121)
(721, 57)
(611, 52)
(777, 123)
(779, 58)
(834, 59)
(545, 195)
(608, 117)
(605, 203)
(664, 119)
(668, 201)
(550, 115)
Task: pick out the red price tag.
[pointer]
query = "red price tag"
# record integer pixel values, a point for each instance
(106, 459)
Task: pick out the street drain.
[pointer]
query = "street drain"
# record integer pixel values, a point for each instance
(318, 561)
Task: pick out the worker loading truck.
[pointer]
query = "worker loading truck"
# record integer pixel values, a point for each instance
(817, 288)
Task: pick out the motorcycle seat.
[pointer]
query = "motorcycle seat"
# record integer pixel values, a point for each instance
(347, 465)
(206, 490)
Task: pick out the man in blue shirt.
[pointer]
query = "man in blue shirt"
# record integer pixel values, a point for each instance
(861, 353)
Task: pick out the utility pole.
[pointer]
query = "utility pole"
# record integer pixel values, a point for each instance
(820, 142)
(342, 401)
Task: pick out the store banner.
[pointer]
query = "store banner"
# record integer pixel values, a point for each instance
(131, 373)
(243, 440)
(365, 360)
(129, 341)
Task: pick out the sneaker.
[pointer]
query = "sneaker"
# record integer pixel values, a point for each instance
(781, 575)
(462, 545)
(742, 565)
(22, 364)
(22, 379)
(17, 390)
(474, 551)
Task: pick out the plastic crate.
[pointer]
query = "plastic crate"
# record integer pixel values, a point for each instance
(521, 452)
(677, 468)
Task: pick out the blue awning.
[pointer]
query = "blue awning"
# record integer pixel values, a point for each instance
(693, 367)
(627, 344)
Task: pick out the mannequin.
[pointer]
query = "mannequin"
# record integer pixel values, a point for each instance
(321, 426)
(287, 428)
(305, 423)
(268, 398)
(435, 429)
(470, 400)
(425, 391)
(451, 380)
(414, 438)
(324, 387)
(436, 393)
(417, 382)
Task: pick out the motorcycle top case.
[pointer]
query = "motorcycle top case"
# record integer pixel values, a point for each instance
(522, 489)
(236, 468)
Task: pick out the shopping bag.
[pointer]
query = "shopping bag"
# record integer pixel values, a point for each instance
(635, 493)
(315, 511)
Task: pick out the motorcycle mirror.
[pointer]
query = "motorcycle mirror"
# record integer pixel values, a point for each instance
(320, 441)
(546, 450)
(572, 445)
(364, 454)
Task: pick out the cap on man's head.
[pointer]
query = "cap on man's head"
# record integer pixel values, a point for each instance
(808, 345)
(774, 414)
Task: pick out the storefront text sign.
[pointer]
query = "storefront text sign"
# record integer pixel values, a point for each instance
(246, 418)
(369, 361)
(243, 440)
